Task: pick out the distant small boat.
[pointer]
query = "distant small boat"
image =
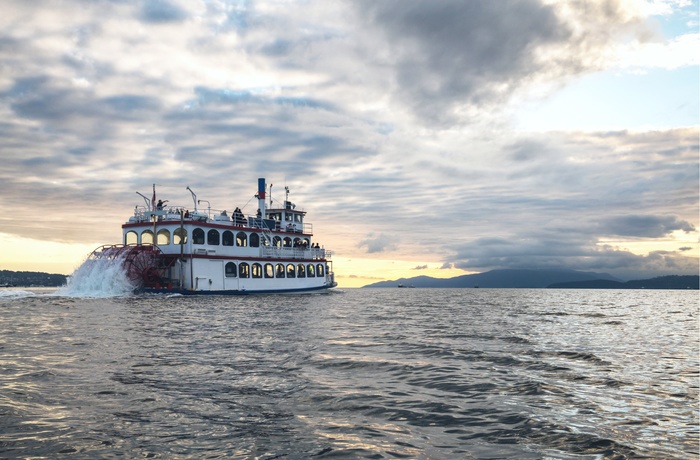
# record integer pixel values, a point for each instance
(404, 286)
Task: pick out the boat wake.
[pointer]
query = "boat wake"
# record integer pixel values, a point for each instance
(99, 277)
(15, 293)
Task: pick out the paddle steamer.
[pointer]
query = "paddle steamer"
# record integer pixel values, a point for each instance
(172, 249)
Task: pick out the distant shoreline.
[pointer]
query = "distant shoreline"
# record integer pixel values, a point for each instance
(12, 279)
(543, 278)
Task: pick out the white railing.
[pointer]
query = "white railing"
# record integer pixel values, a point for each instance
(143, 214)
(295, 253)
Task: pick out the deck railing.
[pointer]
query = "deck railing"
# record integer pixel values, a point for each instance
(295, 253)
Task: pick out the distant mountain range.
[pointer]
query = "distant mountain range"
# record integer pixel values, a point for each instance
(512, 278)
(661, 282)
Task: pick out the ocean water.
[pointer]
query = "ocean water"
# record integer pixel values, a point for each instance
(356, 373)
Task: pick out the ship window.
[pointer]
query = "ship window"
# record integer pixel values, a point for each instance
(297, 218)
(244, 270)
(264, 241)
(227, 238)
(256, 270)
(231, 270)
(310, 270)
(254, 240)
(147, 237)
(269, 271)
(180, 236)
(287, 242)
(277, 242)
(131, 238)
(301, 271)
(319, 270)
(297, 243)
(164, 237)
(279, 271)
(213, 237)
(290, 271)
(198, 236)
(241, 239)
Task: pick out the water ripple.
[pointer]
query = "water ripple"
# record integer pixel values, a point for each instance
(357, 374)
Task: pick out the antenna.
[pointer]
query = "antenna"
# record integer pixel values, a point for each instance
(194, 198)
(148, 202)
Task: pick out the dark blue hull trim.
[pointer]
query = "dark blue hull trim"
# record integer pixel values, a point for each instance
(270, 291)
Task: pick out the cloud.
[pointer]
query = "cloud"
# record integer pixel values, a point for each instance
(644, 226)
(378, 243)
(388, 120)
(420, 267)
(449, 58)
(364, 277)
(161, 11)
(566, 248)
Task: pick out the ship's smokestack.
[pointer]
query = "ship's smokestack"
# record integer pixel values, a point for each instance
(261, 196)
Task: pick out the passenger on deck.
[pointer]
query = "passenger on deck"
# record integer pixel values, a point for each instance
(160, 204)
(238, 217)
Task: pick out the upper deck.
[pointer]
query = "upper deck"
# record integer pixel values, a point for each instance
(277, 232)
(276, 220)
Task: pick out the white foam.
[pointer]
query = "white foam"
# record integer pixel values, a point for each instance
(15, 293)
(99, 277)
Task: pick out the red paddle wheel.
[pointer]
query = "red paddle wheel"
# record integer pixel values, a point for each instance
(145, 266)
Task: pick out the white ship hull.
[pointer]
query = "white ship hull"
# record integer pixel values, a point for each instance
(170, 249)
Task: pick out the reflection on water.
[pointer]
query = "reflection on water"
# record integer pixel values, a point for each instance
(381, 373)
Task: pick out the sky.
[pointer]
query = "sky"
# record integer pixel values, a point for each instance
(421, 137)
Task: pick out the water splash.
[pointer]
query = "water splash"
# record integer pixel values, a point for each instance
(15, 293)
(99, 277)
